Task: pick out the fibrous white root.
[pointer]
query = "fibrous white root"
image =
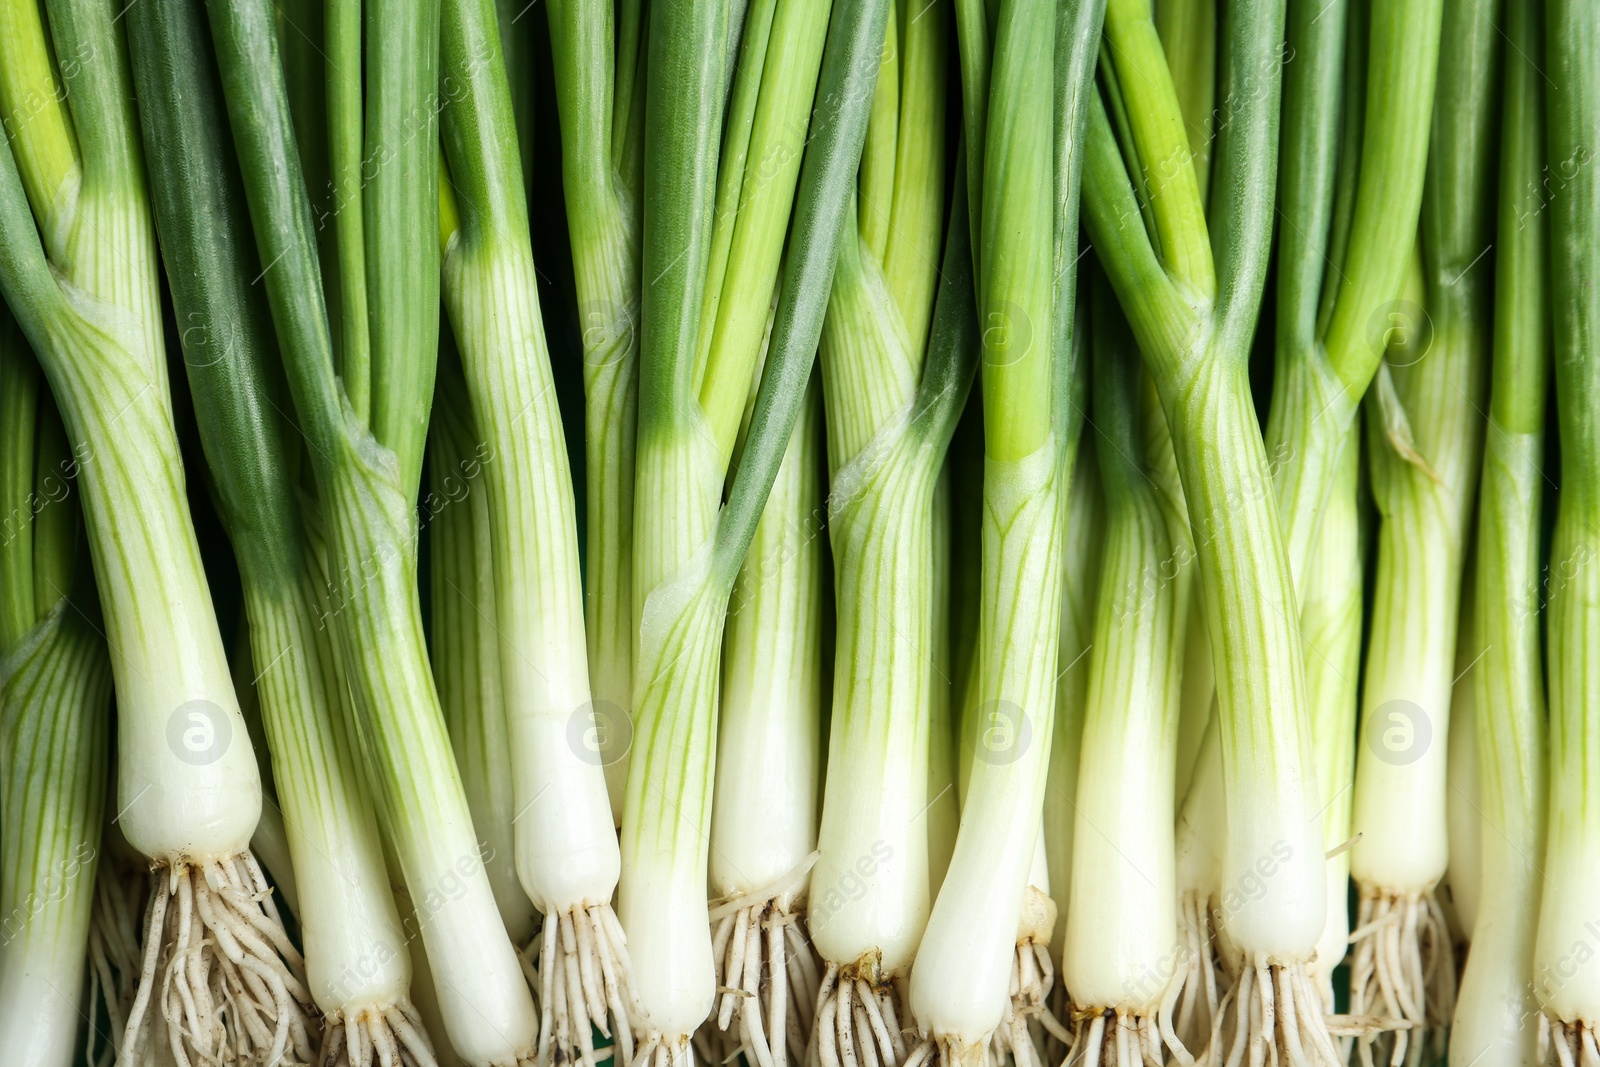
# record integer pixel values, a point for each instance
(1272, 1014)
(767, 978)
(658, 1050)
(858, 1018)
(229, 984)
(583, 979)
(115, 960)
(1112, 1038)
(1190, 1007)
(1403, 972)
(1028, 1019)
(1568, 1044)
(390, 1036)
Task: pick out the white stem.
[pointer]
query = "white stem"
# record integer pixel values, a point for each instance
(963, 969)
(54, 736)
(356, 958)
(1330, 625)
(566, 849)
(1079, 590)
(869, 890)
(764, 821)
(465, 651)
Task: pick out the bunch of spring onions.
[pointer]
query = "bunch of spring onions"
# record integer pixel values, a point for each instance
(705, 582)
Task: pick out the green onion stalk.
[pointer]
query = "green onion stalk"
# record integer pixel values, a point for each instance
(565, 841)
(1351, 84)
(1497, 1018)
(598, 50)
(1122, 925)
(357, 961)
(78, 268)
(893, 393)
(466, 650)
(1460, 889)
(764, 821)
(688, 545)
(366, 460)
(1425, 436)
(944, 753)
(870, 892)
(983, 970)
(1191, 290)
(55, 691)
(769, 737)
(1081, 556)
(1188, 31)
(1356, 103)
(1566, 973)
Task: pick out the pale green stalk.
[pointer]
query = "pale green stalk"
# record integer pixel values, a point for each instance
(1122, 926)
(465, 652)
(566, 848)
(598, 64)
(1080, 561)
(1497, 1009)
(769, 739)
(1567, 980)
(1425, 436)
(892, 398)
(688, 547)
(1191, 294)
(1463, 881)
(366, 478)
(98, 337)
(357, 968)
(944, 800)
(55, 688)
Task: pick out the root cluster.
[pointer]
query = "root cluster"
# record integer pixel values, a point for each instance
(582, 981)
(1404, 974)
(219, 970)
(767, 979)
(394, 1036)
(861, 1019)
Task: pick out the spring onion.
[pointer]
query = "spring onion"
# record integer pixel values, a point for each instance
(687, 550)
(1365, 78)
(1425, 435)
(598, 58)
(1030, 143)
(1122, 926)
(1496, 1019)
(357, 961)
(765, 808)
(466, 651)
(1191, 291)
(366, 468)
(55, 688)
(892, 394)
(79, 270)
(566, 848)
(1566, 972)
